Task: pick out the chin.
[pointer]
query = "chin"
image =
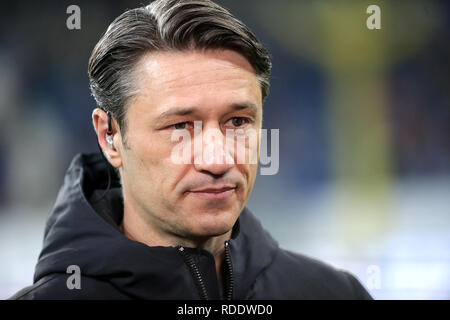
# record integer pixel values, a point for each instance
(211, 224)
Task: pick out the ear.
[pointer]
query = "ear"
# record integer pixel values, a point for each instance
(100, 122)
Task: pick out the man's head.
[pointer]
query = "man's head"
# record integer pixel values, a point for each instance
(157, 70)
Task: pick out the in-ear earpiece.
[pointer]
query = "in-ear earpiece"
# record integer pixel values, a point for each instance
(109, 131)
(109, 141)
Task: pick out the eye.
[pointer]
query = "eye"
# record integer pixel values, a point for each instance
(180, 125)
(239, 121)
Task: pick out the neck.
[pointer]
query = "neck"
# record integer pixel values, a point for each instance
(137, 229)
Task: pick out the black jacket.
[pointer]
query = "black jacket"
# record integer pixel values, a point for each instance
(83, 230)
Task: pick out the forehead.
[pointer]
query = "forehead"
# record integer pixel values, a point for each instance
(195, 78)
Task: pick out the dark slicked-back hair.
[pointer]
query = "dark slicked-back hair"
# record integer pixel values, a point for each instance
(166, 25)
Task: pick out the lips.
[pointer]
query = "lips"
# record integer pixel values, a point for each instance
(214, 193)
(214, 190)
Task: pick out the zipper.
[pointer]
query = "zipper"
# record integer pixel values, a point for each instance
(199, 282)
(229, 274)
(195, 273)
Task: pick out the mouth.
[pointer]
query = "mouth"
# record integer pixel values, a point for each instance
(216, 193)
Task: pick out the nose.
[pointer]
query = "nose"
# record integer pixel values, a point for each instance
(210, 154)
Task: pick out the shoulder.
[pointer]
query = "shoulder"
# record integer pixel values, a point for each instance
(296, 276)
(54, 287)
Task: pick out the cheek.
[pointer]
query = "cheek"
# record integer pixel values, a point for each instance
(166, 174)
(252, 168)
(248, 171)
(244, 147)
(151, 150)
(143, 161)
(172, 174)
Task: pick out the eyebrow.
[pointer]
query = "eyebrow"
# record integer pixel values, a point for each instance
(183, 111)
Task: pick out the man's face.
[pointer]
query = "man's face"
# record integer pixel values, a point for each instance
(218, 88)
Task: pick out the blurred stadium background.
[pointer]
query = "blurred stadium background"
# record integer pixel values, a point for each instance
(364, 118)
